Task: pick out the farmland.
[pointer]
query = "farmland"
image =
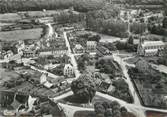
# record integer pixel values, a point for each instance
(21, 34)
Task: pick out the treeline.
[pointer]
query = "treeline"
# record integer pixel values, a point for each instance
(138, 28)
(69, 17)
(145, 2)
(34, 5)
(104, 21)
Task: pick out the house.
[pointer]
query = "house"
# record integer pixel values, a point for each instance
(43, 81)
(8, 54)
(102, 51)
(68, 70)
(149, 48)
(91, 46)
(20, 46)
(29, 53)
(58, 51)
(78, 48)
(143, 66)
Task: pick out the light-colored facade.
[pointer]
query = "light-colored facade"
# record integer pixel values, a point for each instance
(91, 46)
(68, 70)
(150, 48)
(55, 52)
(78, 48)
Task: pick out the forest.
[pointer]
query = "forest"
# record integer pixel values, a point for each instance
(34, 5)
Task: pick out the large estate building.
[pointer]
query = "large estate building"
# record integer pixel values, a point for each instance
(150, 48)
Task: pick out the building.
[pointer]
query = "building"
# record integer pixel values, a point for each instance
(44, 82)
(149, 48)
(68, 70)
(8, 54)
(29, 53)
(53, 51)
(91, 46)
(20, 46)
(78, 48)
(103, 51)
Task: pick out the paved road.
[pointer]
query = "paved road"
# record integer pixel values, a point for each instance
(73, 60)
(55, 99)
(51, 30)
(131, 87)
(70, 110)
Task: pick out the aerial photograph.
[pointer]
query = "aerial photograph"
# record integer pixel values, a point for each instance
(83, 58)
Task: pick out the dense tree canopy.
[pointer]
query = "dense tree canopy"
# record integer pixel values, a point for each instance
(112, 109)
(28, 5)
(103, 21)
(138, 28)
(84, 87)
(165, 22)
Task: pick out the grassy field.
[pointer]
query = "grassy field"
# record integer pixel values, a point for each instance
(21, 34)
(9, 17)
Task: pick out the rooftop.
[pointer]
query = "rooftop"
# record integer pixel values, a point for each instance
(152, 43)
(53, 49)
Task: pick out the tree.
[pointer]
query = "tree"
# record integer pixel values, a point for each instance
(84, 87)
(82, 61)
(138, 28)
(99, 109)
(165, 22)
(131, 40)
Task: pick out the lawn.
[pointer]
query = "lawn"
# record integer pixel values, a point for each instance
(108, 38)
(21, 34)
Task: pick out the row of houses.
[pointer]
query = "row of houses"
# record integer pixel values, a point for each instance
(90, 47)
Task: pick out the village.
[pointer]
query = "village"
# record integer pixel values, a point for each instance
(51, 68)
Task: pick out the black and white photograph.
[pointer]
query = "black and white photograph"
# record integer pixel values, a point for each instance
(83, 58)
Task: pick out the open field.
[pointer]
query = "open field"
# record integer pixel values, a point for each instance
(9, 17)
(21, 34)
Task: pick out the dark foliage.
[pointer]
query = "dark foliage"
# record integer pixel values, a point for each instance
(84, 88)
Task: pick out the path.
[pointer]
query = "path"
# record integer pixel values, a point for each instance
(131, 87)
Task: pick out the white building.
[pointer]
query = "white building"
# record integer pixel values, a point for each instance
(8, 54)
(150, 48)
(68, 70)
(78, 48)
(20, 46)
(43, 81)
(91, 45)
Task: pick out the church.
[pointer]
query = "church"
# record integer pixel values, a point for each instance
(150, 48)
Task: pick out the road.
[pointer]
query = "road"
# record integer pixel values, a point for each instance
(51, 31)
(128, 80)
(161, 68)
(55, 99)
(136, 107)
(43, 71)
(69, 110)
(71, 55)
